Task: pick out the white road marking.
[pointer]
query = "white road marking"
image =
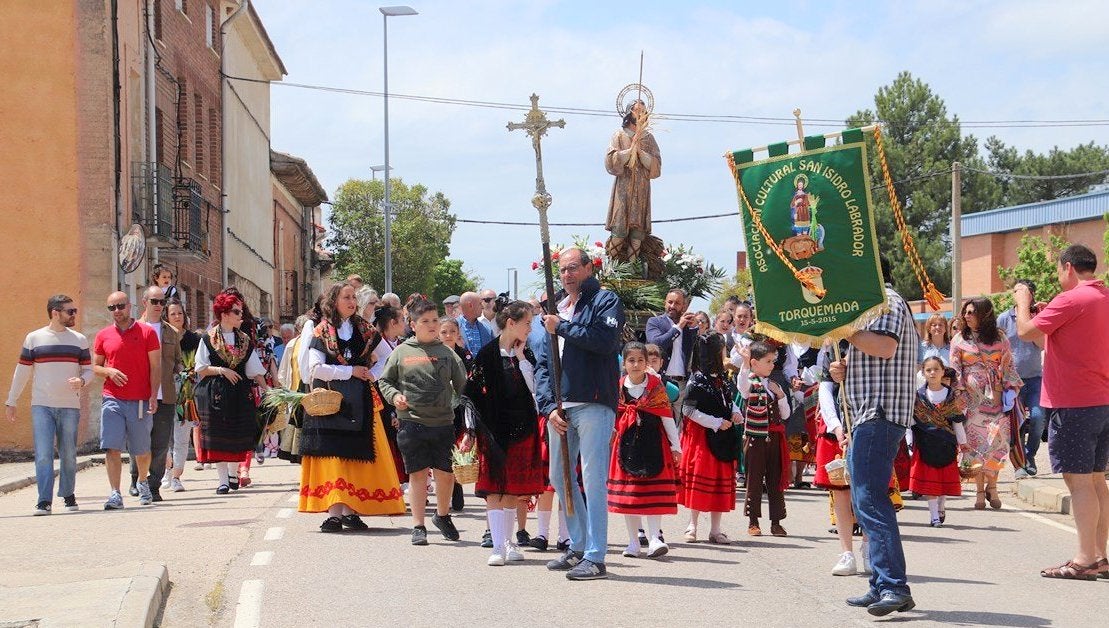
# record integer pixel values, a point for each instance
(275, 534)
(248, 612)
(284, 513)
(1040, 518)
(261, 559)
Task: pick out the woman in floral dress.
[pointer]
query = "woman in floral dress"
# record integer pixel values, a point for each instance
(988, 383)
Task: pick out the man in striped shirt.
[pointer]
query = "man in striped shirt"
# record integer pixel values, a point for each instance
(58, 360)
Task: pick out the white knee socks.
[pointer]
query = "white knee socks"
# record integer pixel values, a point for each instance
(633, 522)
(654, 524)
(496, 529)
(544, 517)
(509, 515)
(223, 473)
(934, 507)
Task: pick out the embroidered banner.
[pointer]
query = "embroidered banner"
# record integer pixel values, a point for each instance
(811, 243)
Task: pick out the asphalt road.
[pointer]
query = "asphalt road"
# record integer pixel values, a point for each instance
(250, 560)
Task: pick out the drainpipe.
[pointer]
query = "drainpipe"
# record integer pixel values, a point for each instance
(243, 5)
(117, 149)
(151, 143)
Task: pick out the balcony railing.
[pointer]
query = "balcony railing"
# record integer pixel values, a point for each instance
(171, 209)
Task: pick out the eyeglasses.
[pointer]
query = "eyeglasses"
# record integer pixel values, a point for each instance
(117, 307)
(157, 301)
(69, 311)
(237, 312)
(489, 299)
(569, 268)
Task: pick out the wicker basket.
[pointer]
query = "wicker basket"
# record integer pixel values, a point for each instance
(837, 472)
(466, 473)
(322, 402)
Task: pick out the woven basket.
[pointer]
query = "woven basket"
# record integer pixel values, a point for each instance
(322, 402)
(837, 472)
(466, 473)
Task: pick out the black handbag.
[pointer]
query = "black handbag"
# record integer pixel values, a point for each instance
(640, 452)
(725, 445)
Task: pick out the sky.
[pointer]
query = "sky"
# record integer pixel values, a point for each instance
(989, 61)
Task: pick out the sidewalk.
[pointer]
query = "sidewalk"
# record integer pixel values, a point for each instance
(1045, 490)
(17, 475)
(130, 594)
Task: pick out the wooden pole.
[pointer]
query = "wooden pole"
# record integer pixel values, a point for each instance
(827, 136)
(956, 239)
(800, 128)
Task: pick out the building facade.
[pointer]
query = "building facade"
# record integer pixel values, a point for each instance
(297, 196)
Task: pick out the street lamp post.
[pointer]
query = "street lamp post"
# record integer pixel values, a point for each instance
(386, 13)
(514, 282)
(377, 169)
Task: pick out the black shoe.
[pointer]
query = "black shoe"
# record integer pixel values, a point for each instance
(458, 500)
(71, 503)
(864, 600)
(223, 490)
(134, 490)
(419, 535)
(587, 570)
(567, 561)
(233, 484)
(914, 495)
(331, 524)
(891, 602)
(354, 522)
(562, 546)
(856, 530)
(522, 538)
(833, 530)
(1031, 468)
(487, 539)
(642, 539)
(660, 538)
(537, 542)
(446, 526)
(42, 508)
(155, 496)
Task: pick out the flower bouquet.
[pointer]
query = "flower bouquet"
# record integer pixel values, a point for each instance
(465, 465)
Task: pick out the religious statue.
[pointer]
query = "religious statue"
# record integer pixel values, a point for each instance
(634, 159)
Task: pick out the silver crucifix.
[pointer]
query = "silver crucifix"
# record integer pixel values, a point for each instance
(536, 125)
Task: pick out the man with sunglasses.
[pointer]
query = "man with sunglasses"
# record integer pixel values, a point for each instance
(128, 355)
(161, 432)
(58, 359)
(475, 333)
(488, 316)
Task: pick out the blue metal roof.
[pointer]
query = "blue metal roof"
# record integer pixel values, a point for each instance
(1018, 217)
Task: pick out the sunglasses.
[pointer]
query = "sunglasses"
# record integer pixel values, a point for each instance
(237, 312)
(69, 311)
(157, 301)
(489, 299)
(117, 307)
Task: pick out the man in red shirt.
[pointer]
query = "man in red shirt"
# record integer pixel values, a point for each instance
(1075, 392)
(128, 355)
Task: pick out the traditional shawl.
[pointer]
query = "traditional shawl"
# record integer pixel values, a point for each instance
(329, 335)
(231, 355)
(713, 395)
(502, 404)
(640, 448)
(653, 401)
(933, 434)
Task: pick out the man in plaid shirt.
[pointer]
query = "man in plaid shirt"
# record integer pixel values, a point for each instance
(880, 379)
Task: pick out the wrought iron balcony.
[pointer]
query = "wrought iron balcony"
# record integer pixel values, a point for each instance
(171, 209)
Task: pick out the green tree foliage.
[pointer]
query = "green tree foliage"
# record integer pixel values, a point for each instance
(422, 229)
(451, 278)
(1011, 191)
(921, 140)
(738, 285)
(1036, 261)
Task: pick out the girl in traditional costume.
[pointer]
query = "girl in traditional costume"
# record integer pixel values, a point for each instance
(501, 389)
(709, 443)
(346, 468)
(642, 475)
(228, 366)
(938, 434)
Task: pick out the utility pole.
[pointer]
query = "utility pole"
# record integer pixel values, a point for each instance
(956, 237)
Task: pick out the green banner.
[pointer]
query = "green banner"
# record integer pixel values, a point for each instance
(815, 210)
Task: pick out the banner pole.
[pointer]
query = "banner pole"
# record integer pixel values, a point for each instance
(800, 129)
(827, 136)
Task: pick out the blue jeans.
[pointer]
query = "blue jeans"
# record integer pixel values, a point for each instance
(589, 434)
(873, 447)
(1037, 418)
(55, 426)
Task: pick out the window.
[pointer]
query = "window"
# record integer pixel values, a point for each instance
(214, 155)
(157, 8)
(198, 134)
(159, 136)
(209, 25)
(183, 118)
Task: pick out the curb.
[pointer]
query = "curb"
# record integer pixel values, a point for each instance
(1043, 495)
(10, 484)
(144, 599)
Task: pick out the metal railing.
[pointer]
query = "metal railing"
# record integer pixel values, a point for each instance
(170, 209)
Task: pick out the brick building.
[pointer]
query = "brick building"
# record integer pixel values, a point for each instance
(297, 196)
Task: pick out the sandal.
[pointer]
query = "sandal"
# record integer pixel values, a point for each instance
(1103, 569)
(719, 538)
(690, 535)
(244, 481)
(995, 498)
(1071, 570)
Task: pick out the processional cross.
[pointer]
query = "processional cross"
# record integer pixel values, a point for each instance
(536, 124)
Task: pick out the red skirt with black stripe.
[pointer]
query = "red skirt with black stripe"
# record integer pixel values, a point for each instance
(634, 495)
(707, 484)
(524, 471)
(934, 481)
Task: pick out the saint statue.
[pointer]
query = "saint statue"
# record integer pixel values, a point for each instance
(634, 159)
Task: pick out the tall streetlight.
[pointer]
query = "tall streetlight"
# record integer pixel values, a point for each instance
(377, 169)
(386, 13)
(514, 286)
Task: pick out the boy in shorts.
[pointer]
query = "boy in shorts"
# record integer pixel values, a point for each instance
(421, 379)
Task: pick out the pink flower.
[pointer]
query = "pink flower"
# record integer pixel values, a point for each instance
(598, 244)
(700, 270)
(535, 265)
(597, 262)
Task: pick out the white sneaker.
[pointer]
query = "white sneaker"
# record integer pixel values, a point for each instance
(165, 483)
(657, 548)
(864, 553)
(633, 550)
(496, 559)
(512, 553)
(176, 486)
(846, 565)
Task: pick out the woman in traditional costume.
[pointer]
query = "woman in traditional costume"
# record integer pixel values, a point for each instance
(228, 366)
(346, 470)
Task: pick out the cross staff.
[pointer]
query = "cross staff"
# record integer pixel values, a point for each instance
(536, 125)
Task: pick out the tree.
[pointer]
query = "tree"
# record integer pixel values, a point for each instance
(1036, 261)
(921, 141)
(1014, 191)
(739, 285)
(422, 228)
(451, 278)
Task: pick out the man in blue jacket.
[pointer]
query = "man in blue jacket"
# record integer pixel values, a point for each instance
(675, 332)
(589, 326)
